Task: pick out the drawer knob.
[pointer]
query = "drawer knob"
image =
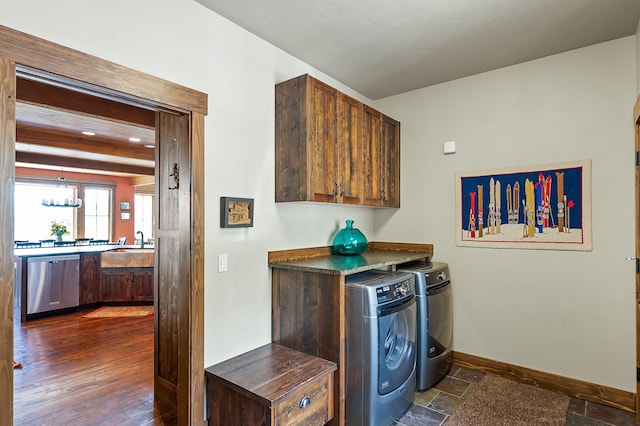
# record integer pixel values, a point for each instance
(304, 402)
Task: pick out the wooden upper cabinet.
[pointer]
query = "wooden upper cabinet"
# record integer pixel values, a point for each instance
(306, 144)
(322, 140)
(381, 159)
(371, 154)
(390, 162)
(329, 147)
(350, 176)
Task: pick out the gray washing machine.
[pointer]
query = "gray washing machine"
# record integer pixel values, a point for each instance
(380, 346)
(434, 321)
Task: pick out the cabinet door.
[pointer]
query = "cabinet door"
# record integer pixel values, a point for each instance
(381, 159)
(350, 190)
(89, 278)
(115, 286)
(323, 153)
(371, 156)
(390, 162)
(143, 285)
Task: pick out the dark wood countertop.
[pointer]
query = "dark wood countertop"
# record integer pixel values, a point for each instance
(320, 259)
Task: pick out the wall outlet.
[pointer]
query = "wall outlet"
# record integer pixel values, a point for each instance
(222, 263)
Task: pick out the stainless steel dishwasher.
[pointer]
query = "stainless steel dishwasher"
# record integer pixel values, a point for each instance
(52, 283)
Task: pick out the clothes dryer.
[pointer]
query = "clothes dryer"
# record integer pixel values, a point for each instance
(434, 321)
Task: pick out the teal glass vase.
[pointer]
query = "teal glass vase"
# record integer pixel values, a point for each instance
(349, 241)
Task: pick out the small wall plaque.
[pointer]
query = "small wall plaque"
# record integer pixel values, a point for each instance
(236, 212)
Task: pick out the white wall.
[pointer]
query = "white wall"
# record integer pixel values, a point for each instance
(638, 58)
(566, 313)
(183, 42)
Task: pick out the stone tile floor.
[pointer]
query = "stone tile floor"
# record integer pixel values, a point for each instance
(434, 406)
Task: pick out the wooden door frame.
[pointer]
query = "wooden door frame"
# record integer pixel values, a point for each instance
(70, 67)
(636, 126)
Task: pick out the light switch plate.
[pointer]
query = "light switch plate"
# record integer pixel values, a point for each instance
(222, 263)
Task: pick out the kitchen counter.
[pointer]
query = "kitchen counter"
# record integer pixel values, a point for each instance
(125, 276)
(321, 260)
(53, 251)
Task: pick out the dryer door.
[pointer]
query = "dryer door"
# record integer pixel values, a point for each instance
(397, 345)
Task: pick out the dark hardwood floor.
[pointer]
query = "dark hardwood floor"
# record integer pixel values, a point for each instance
(86, 371)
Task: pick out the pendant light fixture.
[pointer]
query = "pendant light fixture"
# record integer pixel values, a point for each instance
(66, 202)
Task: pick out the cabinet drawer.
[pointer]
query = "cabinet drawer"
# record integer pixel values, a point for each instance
(271, 386)
(308, 404)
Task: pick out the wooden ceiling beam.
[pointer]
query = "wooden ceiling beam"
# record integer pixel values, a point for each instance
(143, 180)
(75, 141)
(47, 94)
(54, 160)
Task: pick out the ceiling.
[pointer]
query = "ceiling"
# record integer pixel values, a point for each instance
(50, 121)
(382, 47)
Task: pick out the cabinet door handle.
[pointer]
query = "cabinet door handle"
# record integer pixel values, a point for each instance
(305, 402)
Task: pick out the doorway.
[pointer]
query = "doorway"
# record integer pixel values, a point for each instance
(179, 329)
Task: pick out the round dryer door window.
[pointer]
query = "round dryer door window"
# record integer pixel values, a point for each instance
(396, 346)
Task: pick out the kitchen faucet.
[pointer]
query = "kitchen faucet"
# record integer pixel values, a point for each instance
(141, 238)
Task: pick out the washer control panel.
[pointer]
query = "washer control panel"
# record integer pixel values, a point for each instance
(395, 291)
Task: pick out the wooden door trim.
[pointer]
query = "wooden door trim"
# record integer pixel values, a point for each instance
(636, 125)
(7, 178)
(99, 74)
(55, 63)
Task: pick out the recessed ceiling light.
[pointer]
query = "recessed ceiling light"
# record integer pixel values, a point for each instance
(149, 146)
(135, 139)
(89, 133)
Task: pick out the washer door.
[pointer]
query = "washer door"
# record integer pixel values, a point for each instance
(396, 345)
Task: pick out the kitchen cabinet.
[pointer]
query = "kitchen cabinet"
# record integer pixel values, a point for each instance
(89, 278)
(325, 154)
(308, 300)
(126, 285)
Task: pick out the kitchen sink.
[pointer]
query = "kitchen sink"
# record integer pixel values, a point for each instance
(127, 258)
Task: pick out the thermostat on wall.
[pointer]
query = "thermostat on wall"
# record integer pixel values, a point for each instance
(449, 147)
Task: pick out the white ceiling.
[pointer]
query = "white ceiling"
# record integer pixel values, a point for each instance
(385, 47)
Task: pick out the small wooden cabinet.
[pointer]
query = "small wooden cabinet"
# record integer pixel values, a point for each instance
(271, 385)
(126, 285)
(333, 148)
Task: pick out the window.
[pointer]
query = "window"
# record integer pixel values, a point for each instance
(93, 219)
(33, 220)
(97, 213)
(143, 214)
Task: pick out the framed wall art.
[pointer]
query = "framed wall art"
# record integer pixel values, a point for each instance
(125, 205)
(533, 207)
(236, 212)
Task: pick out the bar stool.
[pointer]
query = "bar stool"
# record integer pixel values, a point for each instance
(46, 243)
(64, 243)
(27, 244)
